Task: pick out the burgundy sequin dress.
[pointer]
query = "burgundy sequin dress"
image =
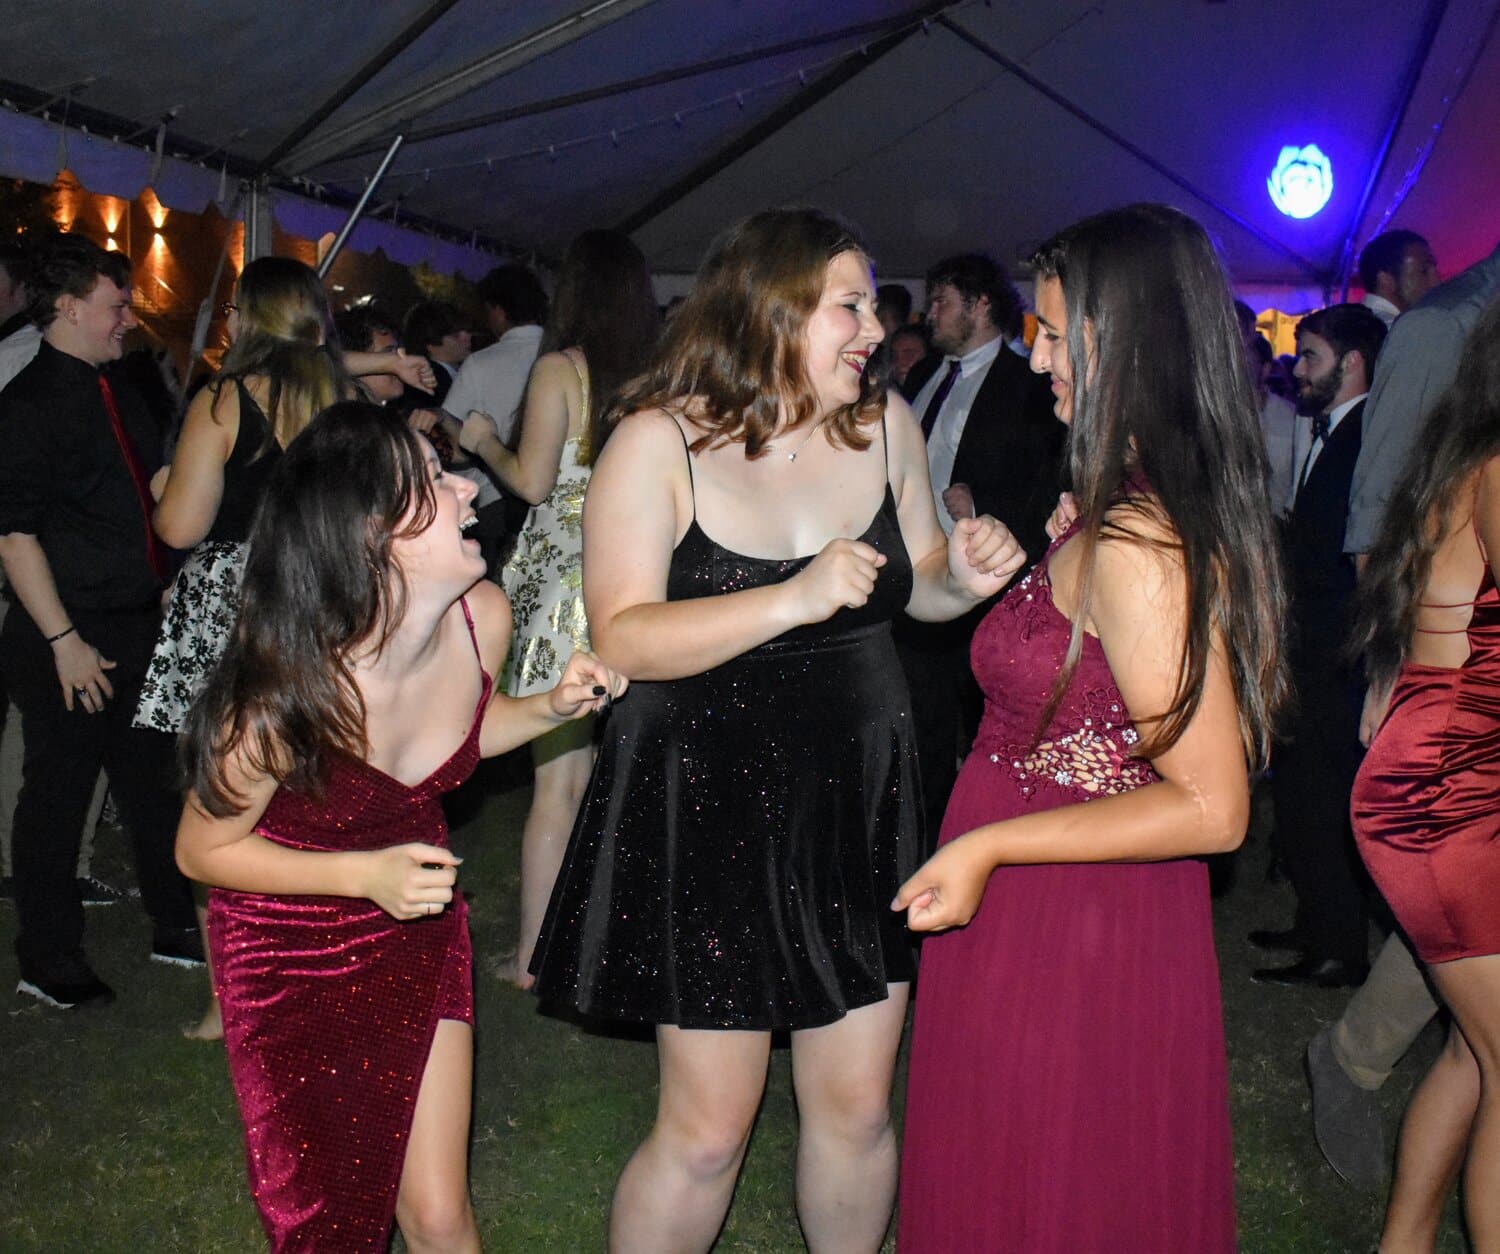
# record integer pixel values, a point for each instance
(330, 1006)
(1424, 803)
(1068, 1090)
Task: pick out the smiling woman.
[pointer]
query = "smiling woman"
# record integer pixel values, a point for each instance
(759, 515)
(355, 692)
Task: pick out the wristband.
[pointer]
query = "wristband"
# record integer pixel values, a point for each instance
(66, 631)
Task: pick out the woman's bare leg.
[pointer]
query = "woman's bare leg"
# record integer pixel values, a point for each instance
(432, 1206)
(564, 759)
(1471, 987)
(846, 1151)
(211, 1026)
(1434, 1133)
(675, 1190)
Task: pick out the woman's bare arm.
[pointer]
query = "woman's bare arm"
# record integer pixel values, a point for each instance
(1202, 803)
(195, 483)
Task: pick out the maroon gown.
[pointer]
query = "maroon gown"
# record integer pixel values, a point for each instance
(330, 1006)
(1424, 804)
(1068, 1091)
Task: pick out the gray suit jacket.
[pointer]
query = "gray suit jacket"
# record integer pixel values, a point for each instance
(1417, 365)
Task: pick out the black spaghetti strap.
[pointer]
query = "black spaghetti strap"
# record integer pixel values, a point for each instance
(687, 451)
(885, 448)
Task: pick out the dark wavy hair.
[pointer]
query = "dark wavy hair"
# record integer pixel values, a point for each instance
(284, 337)
(736, 346)
(605, 308)
(1160, 391)
(973, 275)
(321, 585)
(1460, 434)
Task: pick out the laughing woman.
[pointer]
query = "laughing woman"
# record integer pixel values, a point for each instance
(1068, 1092)
(753, 524)
(355, 692)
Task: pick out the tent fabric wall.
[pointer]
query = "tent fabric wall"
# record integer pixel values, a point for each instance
(979, 125)
(38, 150)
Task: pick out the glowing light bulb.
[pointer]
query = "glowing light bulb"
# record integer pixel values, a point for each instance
(1302, 181)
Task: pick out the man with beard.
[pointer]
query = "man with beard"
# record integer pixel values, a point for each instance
(994, 447)
(1314, 767)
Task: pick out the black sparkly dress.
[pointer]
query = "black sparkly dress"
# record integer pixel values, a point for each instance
(746, 828)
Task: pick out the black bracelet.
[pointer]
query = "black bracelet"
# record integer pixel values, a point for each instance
(66, 631)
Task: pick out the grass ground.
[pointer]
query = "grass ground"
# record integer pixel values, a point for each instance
(118, 1135)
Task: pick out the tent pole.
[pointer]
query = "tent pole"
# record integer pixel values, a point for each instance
(413, 31)
(623, 86)
(359, 208)
(452, 86)
(763, 130)
(257, 193)
(1139, 153)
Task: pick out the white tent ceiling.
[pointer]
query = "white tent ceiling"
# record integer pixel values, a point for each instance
(934, 127)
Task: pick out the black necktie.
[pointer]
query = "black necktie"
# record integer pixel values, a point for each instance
(935, 405)
(1320, 434)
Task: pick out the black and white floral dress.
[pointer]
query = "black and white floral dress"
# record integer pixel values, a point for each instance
(206, 594)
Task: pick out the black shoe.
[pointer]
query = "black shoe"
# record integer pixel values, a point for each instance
(95, 892)
(7, 888)
(1316, 973)
(1288, 939)
(179, 946)
(89, 991)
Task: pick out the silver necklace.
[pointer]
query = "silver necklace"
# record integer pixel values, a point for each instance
(816, 427)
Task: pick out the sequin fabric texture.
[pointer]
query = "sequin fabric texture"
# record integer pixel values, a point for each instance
(746, 828)
(330, 1006)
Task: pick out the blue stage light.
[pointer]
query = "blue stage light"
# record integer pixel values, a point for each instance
(1302, 181)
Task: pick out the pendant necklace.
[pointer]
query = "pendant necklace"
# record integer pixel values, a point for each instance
(817, 426)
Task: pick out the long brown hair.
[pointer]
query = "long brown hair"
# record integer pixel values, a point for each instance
(284, 337)
(1160, 391)
(605, 308)
(321, 585)
(1460, 434)
(735, 347)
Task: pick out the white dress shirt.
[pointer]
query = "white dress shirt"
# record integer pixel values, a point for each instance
(1307, 451)
(494, 379)
(16, 351)
(948, 430)
(1381, 308)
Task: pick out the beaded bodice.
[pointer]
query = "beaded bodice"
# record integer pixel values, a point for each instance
(1087, 750)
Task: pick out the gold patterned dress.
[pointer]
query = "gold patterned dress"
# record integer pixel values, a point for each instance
(544, 577)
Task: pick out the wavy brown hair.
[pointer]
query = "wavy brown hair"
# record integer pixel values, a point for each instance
(1161, 393)
(284, 337)
(321, 586)
(605, 308)
(736, 347)
(1459, 436)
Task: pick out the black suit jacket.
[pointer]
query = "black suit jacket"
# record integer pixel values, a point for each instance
(1322, 574)
(1010, 453)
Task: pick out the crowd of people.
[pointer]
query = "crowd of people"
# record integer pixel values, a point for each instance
(834, 626)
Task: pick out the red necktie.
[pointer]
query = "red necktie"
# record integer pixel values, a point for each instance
(137, 476)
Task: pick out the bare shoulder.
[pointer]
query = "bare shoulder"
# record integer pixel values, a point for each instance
(652, 436)
(490, 608)
(1138, 564)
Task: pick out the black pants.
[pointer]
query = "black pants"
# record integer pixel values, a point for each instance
(63, 753)
(1313, 775)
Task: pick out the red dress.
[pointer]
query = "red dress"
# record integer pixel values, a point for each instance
(1426, 803)
(1068, 1090)
(330, 1006)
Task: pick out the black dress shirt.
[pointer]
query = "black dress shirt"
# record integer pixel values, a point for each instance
(64, 480)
